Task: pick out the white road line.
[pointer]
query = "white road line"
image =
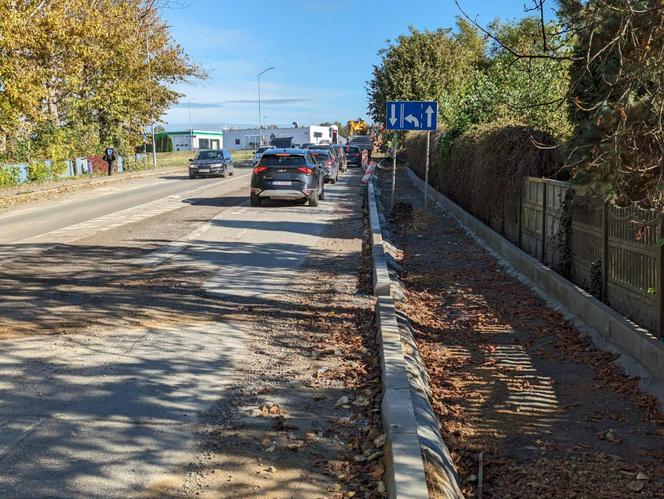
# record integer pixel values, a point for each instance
(128, 215)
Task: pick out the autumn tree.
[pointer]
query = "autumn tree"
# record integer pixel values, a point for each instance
(77, 74)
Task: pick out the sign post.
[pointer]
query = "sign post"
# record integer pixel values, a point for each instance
(411, 115)
(426, 172)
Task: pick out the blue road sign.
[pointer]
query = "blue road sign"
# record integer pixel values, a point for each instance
(411, 115)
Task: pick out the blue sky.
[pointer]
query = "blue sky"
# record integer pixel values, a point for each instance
(323, 53)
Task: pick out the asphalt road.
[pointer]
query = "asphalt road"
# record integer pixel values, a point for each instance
(103, 387)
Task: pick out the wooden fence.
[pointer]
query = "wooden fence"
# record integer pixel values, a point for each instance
(615, 253)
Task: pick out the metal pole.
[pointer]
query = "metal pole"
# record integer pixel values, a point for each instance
(154, 149)
(260, 133)
(191, 128)
(426, 171)
(154, 142)
(394, 170)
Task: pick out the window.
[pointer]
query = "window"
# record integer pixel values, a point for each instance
(210, 155)
(204, 143)
(318, 135)
(237, 142)
(282, 160)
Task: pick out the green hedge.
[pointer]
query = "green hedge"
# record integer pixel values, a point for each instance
(9, 176)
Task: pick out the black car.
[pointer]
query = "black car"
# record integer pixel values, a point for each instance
(211, 162)
(354, 155)
(325, 158)
(287, 174)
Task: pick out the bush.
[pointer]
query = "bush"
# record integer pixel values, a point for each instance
(39, 171)
(9, 176)
(483, 169)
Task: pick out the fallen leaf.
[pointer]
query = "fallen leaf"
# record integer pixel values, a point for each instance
(636, 485)
(342, 401)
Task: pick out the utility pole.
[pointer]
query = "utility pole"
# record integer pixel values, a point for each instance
(191, 128)
(394, 171)
(260, 132)
(154, 142)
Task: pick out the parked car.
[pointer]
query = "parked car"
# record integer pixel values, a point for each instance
(211, 162)
(354, 155)
(287, 174)
(334, 152)
(341, 152)
(259, 152)
(328, 163)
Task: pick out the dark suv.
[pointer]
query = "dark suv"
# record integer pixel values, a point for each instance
(287, 174)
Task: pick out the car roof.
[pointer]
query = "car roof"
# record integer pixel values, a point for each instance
(288, 150)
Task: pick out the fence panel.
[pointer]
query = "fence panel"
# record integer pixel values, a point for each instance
(587, 243)
(632, 264)
(555, 200)
(532, 213)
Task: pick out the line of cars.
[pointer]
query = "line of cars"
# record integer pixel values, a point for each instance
(300, 173)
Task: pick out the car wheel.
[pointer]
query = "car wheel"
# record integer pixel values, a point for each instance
(333, 180)
(256, 200)
(191, 175)
(322, 192)
(231, 172)
(313, 199)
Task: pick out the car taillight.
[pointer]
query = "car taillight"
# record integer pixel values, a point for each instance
(259, 169)
(328, 162)
(306, 170)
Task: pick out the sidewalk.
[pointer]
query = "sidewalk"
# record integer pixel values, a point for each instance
(551, 415)
(37, 191)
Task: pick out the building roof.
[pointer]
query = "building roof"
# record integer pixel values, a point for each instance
(194, 132)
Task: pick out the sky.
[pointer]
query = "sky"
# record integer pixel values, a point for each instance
(323, 53)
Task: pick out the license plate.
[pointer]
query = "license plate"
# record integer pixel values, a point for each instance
(281, 182)
(204, 170)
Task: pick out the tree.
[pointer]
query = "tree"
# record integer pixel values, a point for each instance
(425, 65)
(79, 74)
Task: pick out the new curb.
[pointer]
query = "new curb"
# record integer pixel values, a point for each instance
(412, 432)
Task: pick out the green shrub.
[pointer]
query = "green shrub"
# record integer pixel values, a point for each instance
(39, 171)
(9, 176)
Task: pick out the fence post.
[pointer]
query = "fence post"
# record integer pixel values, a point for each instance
(605, 252)
(520, 217)
(660, 279)
(544, 222)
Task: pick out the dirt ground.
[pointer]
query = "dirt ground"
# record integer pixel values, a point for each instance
(513, 381)
(306, 421)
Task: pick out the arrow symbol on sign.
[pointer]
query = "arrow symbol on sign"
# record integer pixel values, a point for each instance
(393, 112)
(412, 120)
(429, 113)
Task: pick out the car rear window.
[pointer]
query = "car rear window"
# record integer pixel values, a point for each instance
(282, 160)
(353, 150)
(321, 155)
(262, 149)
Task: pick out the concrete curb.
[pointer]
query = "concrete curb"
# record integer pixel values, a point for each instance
(413, 438)
(641, 354)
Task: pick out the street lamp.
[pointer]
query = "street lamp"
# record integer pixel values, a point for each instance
(260, 133)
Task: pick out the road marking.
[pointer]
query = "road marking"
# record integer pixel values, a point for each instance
(128, 215)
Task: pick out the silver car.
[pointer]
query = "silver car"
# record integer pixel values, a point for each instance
(259, 153)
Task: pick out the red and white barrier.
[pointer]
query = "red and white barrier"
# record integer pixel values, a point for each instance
(369, 172)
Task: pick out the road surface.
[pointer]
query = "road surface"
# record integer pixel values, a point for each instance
(121, 323)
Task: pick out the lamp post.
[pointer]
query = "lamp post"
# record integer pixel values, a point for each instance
(260, 133)
(191, 128)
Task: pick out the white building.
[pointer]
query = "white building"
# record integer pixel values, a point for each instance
(248, 138)
(193, 140)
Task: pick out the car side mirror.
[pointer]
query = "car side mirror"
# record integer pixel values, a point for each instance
(190, 160)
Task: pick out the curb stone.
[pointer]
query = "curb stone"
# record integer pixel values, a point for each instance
(413, 441)
(639, 353)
